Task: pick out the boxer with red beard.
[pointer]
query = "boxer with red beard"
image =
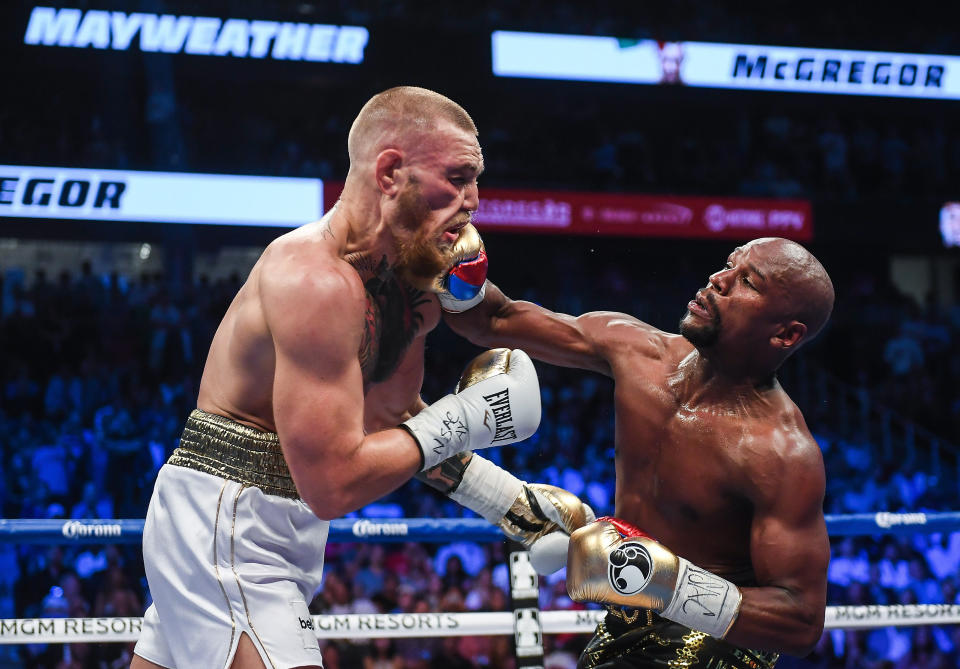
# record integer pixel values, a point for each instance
(309, 405)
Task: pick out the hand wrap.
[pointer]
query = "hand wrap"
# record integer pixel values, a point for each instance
(539, 516)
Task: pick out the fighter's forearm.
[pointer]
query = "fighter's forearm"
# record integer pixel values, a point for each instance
(365, 471)
(525, 512)
(545, 335)
(773, 619)
(477, 324)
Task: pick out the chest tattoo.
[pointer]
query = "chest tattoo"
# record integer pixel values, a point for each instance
(391, 321)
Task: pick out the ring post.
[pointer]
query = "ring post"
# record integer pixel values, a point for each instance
(524, 599)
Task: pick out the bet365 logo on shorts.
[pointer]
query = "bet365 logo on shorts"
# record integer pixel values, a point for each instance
(304, 625)
(629, 568)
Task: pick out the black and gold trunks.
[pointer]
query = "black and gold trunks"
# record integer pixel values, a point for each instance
(640, 638)
(217, 445)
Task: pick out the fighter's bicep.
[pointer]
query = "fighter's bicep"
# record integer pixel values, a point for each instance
(318, 384)
(789, 545)
(318, 400)
(618, 338)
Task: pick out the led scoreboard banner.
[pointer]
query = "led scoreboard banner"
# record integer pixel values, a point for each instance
(69, 193)
(159, 197)
(195, 35)
(715, 65)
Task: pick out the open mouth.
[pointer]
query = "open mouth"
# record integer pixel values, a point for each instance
(451, 234)
(698, 306)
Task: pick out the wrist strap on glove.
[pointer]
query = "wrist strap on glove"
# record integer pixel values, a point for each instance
(487, 489)
(704, 601)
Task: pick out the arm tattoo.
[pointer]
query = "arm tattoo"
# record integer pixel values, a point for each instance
(446, 476)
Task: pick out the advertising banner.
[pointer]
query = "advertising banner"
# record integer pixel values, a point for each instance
(630, 215)
(225, 199)
(195, 35)
(161, 197)
(717, 65)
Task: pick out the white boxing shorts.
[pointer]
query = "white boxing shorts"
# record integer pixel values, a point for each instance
(223, 557)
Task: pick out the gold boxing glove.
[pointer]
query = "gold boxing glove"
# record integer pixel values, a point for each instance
(535, 509)
(463, 284)
(613, 562)
(528, 513)
(541, 509)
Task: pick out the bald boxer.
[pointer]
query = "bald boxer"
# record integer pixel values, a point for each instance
(718, 554)
(316, 363)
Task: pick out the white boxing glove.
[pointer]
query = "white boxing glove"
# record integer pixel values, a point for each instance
(549, 553)
(497, 403)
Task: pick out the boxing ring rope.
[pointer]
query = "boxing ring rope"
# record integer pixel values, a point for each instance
(428, 530)
(418, 625)
(405, 625)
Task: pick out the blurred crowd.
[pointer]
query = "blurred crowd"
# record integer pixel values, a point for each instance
(902, 350)
(842, 156)
(98, 373)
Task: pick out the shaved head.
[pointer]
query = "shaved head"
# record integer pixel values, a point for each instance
(805, 283)
(399, 118)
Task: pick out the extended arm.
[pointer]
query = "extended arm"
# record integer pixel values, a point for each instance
(585, 342)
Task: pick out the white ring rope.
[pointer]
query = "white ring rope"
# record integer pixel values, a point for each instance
(412, 625)
(409, 625)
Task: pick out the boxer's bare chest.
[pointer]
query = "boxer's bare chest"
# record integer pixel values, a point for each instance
(680, 468)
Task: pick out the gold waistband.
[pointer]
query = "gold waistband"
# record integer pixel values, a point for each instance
(217, 445)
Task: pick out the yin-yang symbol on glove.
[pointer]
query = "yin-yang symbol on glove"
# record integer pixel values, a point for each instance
(629, 568)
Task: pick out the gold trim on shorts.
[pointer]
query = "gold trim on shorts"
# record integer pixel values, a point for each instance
(220, 446)
(646, 627)
(687, 654)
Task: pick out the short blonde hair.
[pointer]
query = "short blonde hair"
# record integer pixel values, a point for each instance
(402, 113)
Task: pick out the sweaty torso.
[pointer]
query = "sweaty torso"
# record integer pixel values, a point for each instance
(686, 471)
(238, 376)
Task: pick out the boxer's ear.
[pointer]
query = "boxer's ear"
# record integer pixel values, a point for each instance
(789, 335)
(385, 171)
